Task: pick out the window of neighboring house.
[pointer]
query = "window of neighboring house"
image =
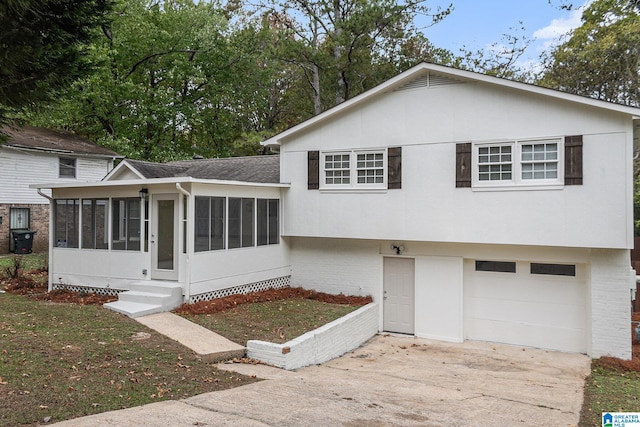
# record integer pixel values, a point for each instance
(19, 218)
(125, 224)
(210, 223)
(354, 169)
(94, 224)
(525, 163)
(67, 167)
(267, 222)
(66, 222)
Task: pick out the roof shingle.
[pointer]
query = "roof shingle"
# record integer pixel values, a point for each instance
(52, 140)
(258, 169)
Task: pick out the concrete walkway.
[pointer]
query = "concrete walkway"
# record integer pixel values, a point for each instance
(207, 344)
(390, 381)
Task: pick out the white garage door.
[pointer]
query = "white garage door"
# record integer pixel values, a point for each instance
(539, 310)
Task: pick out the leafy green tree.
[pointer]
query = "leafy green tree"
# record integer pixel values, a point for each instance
(174, 82)
(339, 43)
(601, 58)
(43, 47)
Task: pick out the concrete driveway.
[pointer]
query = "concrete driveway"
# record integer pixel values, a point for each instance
(390, 381)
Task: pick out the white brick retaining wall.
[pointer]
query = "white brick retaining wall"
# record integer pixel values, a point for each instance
(322, 344)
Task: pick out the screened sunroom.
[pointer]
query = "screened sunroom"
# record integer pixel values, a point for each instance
(179, 222)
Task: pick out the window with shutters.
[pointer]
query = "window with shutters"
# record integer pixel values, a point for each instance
(354, 169)
(526, 163)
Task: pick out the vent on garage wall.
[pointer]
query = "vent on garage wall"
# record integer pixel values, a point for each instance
(429, 80)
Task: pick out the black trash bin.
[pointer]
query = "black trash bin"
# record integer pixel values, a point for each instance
(22, 241)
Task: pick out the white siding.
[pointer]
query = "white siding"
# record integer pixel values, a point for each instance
(427, 124)
(19, 169)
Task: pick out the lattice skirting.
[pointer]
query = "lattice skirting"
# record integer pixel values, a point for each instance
(87, 289)
(277, 283)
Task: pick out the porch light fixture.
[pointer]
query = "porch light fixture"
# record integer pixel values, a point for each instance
(397, 248)
(143, 193)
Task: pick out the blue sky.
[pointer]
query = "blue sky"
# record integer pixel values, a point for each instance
(476, 24)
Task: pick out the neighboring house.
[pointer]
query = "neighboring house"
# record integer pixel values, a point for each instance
(32, 155)
(468, 206)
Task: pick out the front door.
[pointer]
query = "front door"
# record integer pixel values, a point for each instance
(399, 295)
(163, 239)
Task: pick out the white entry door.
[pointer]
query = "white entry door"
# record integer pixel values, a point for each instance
(164, 238)
(399, 295)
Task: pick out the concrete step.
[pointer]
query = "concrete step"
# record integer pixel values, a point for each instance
(148, 297)
(134, 309)
(166, 288)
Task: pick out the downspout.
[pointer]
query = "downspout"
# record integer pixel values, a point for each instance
(50, 261)
(187, 290)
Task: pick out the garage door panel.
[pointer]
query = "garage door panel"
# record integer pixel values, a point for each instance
(564, 339)
(543, 313)
(520, 308)
(523, 290)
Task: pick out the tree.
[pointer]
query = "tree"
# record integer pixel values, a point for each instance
(174, 82)
(338, 43)
(601, 58)
(43, 47)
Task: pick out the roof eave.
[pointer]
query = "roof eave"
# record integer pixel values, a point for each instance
(155, 181)
(21, 147)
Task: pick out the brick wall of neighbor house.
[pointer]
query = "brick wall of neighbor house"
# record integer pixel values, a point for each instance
(611, 283)
(39, 222)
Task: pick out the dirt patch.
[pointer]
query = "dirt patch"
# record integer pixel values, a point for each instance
(226, 303)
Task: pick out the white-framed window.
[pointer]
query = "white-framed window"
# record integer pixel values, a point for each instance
(495, 163)
(539, 160)
(357, 169)
(67, 167)
(525, 163)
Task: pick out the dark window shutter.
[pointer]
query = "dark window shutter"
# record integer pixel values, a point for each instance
(394, 168)
(463, 165)
(313, 170)
(573, 160)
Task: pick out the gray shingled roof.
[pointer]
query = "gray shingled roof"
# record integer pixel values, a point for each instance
(259, 169)
(50, 140)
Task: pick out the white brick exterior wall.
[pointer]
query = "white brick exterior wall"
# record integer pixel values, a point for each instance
(322, 344)
(611, 282)
(348, 266)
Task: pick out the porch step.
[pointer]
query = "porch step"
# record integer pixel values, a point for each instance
(147, 297)
(134, 309)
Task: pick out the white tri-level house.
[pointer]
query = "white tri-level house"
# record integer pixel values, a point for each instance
(469, 207)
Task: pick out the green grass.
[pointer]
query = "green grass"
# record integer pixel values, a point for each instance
(65, 361)
(28, 262)
(274, 321)
(608, 390)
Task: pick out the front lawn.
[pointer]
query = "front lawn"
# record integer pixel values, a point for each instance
(62, 361)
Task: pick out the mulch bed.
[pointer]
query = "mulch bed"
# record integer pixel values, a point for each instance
(34, 285)
(226, 303)
(625, 365)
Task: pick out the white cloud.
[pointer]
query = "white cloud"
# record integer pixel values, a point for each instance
(550, 34)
